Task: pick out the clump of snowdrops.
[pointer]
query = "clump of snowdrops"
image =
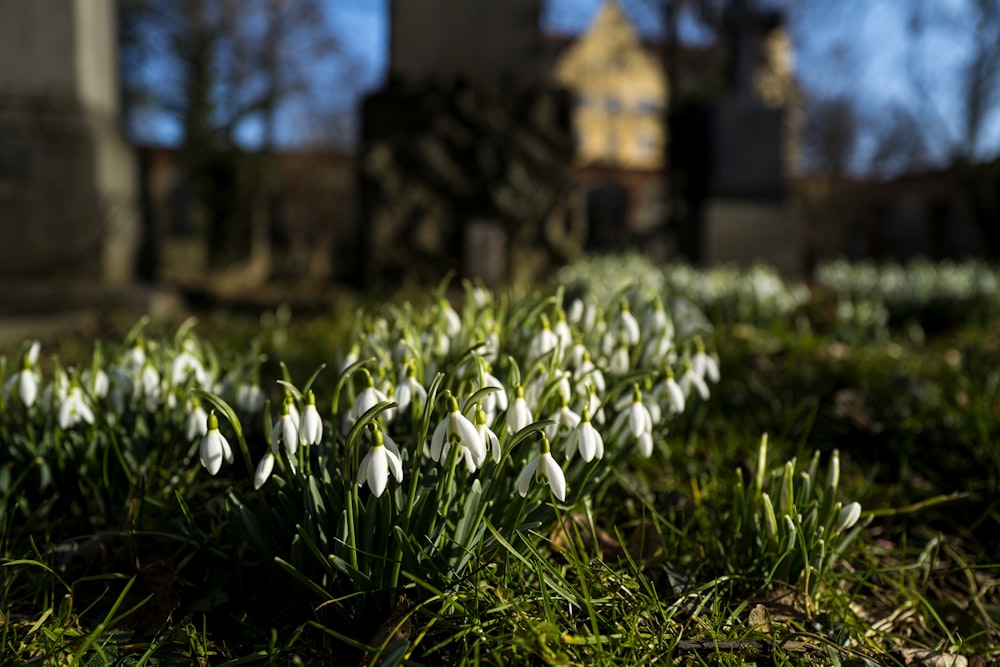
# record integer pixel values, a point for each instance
(787, 525)
(935, 294)
(80, 442)
(454, 432)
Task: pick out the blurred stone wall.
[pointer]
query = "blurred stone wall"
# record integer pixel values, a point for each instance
(68, 198)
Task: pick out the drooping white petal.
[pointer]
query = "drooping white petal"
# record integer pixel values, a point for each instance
(590, 442)
(378, 470)
(675, 396)
(27, 387)
(289, 434)
(227, 451)
(468, 436)
(363, 468)
(395, 463)
(524, 479)
(646, 445)
(437, 440)
(196, 424)
(264, 469)
(554, 474)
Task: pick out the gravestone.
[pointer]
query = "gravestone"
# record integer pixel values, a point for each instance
(465, 160)
(748, 216)
(68, 192)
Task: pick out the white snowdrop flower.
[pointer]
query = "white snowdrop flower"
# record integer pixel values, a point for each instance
(847, 517)
(577, 354)
(490, 346)
(31, 356)
(366, 399)
(659, 349)
(452, 322)
(74, 409)
(489, 438)
(214, 448)
(588, 374)
(481, 296)
(672, 391)
(586, 439)
(565, 421)
(25, 382)
(196, 422)
(657, 322)
(703, 364)
(562, 331)
(519, 414)
(625, 327)
(494, 401)
(352, 356)
(148, 386)
(544, 340)
(543, 468)
(575, 311)
(120, 392)
(381, 459)
(135, 359)
(456, 429)
(691, 380)
(250, 398)
(409, 391)
(286, 430)
(618, 364)
(639, 422)
(97, 384)
(311, 424)
(264, 469)
(186, 366)
(437, 342)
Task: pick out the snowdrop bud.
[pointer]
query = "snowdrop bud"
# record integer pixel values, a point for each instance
(452, 322)
(833, 472)
(848, 516)
(761, 464)
(770, 521)
(31, 356)
(626, 326)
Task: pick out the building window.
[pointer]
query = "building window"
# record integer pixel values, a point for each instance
(613, 104)
(649, 106)
(648, 146)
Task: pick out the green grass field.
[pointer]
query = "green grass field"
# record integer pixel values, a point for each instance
(550, 478)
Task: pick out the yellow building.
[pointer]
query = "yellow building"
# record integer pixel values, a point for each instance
(621, 93)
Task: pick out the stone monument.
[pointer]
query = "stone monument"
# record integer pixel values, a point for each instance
(748, 215)
(68, 182)
(465, 159)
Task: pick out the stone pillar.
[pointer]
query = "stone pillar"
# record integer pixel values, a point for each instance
(68, 179)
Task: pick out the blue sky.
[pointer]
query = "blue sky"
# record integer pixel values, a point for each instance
(857, 48)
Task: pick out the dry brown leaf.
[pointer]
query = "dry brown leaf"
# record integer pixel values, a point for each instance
(388, 634)
(919, 657)
(760, 619)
